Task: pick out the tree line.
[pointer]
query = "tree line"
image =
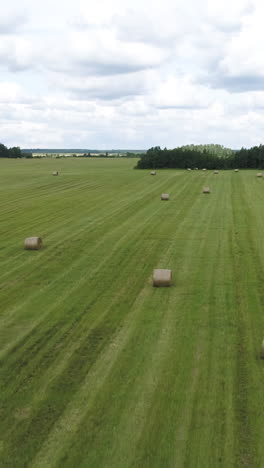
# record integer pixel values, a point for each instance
(200, 156)
(14, 152)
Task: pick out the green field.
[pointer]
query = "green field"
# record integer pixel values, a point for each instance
(98, 368)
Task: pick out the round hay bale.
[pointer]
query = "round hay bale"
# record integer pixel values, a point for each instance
(189, 169)
(161, 278)
(204, 169)
(196, 168)
(164, 196)
(153, 173)
(216, 172)
(33, 243)
(261, 353)
(55, 173)
(235, 170)
(259, 174)
(206, 190)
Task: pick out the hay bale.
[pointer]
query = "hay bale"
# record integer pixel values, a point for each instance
(196, 168)
(204, 169)
(206, 190)
(164, 196)
(55, 173)
(162, 278)
(216, 172)
(189, 169)
(235, 170)
(33, 243)
(261, 353)
(259, 174)
(153, 173)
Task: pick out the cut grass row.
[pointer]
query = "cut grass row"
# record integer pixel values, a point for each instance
(97, 367)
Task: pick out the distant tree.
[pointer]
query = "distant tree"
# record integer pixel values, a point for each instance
(209, 156)
(15, 152)
(4, 152)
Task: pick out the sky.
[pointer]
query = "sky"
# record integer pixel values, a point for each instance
(131, 74)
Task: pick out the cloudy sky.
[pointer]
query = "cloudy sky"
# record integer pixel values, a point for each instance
(131, 74)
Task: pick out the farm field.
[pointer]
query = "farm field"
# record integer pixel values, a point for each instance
(97, 367)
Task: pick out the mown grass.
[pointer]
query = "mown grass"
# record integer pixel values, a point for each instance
(100, 369)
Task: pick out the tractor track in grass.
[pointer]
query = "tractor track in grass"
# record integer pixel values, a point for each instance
(97, 367)
(67, 373)
(210, 418)
(121, 209)
(136, 417)
(173, 433)
(78, 263)
(47, 191)
(248, 276)
(100, 265)
(115, 208)
(62, 223)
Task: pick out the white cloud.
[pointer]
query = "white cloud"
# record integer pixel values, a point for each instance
(121, 86)
(181, 92)
(12, 93)
(131, 74)
(16, 53)
(12, 20)
(245, 54)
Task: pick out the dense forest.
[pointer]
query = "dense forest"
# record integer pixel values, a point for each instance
(200, 156)
(219, 150)
(14, 152)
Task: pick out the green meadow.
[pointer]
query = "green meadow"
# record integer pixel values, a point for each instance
(98, 368)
